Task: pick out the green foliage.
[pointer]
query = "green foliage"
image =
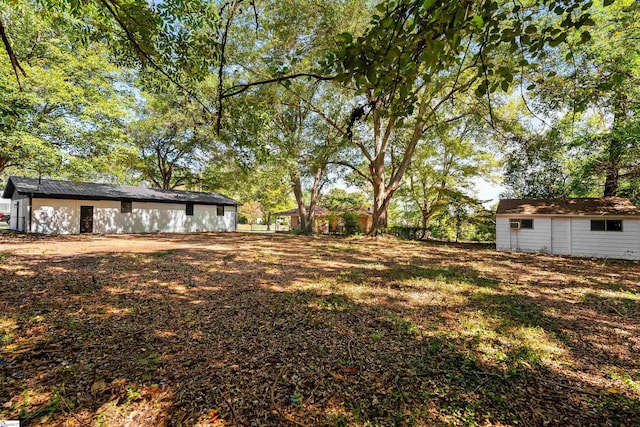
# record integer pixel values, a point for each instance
(351, 224)
(338, 200)
(65, 116)
(168, 140)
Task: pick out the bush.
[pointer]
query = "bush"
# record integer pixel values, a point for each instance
(351, 224)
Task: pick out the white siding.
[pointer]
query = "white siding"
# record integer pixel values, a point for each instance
(529, 240)
(571, 236)
(606, 244)
(561, 236)
(19, 219)
(503, 234)
(61, 216)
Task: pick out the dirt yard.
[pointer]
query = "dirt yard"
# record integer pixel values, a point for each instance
(254, 330)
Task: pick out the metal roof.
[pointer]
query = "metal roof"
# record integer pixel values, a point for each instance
(57, 189)
(617, 206)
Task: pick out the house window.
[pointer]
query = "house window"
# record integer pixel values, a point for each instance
(125, 207)
(526, 223)
(606, 225)
(521, 223)
(220, 210)
(189, 209)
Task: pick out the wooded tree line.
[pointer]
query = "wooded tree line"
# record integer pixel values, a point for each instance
(275, 101)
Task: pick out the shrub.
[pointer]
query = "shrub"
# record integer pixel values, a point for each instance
(351, 224)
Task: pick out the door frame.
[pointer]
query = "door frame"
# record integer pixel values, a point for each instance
(82, 229)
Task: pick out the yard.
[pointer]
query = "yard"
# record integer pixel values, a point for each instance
(256, 329)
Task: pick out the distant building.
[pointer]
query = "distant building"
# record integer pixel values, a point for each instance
(607, 227)
(326, 221)
(64, 207)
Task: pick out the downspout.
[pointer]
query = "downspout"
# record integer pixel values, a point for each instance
(236, 221)
(29, 210)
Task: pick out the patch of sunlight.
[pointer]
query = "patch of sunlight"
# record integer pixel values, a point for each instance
(272, 271)
(164, 334)
(531, 345)
(541, 347)
(629, 380)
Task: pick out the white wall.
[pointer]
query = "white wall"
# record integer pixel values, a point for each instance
(606, 244)
(61, 216)
(529, 240)
(19, 219)
(581, 241)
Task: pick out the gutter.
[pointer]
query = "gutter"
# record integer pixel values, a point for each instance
(30, 214)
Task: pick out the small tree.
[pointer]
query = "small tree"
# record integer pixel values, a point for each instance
(351, 224)
(252, 211)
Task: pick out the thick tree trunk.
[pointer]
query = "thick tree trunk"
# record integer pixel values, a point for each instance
(426, 218)
(381, 198)
(307, 215)
(297, 192)
(615, 148)
(612, 180)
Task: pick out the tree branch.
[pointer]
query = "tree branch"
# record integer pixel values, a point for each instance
(355, 169)
(12, 56)
(110, 5)
(238, 89)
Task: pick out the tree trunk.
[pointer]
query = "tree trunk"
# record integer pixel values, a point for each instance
(426, 218)
(297, 192)
(612, 180)
(615, 148)
(269, 221)
(381, 198)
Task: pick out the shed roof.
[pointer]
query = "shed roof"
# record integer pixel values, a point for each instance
(616, 206)
(57, 189)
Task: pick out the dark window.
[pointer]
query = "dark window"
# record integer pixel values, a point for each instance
(125, 207)
(189, 209)
(608, 225)
(220, 210)
(614, 225)
(526, 223)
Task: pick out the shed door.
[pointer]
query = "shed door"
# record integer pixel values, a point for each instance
(560, 236)
(86, 219)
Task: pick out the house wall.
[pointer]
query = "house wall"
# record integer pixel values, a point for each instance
(19, 219)
(528, 240)
(571, 236)
(606, 244)
(62, 216)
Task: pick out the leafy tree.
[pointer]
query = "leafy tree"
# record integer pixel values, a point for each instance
(251, 211)
(446, 167)
(293, 120)
(170, 141)
(596, 79)
(338, 200)
(418, 55)
(65, 116)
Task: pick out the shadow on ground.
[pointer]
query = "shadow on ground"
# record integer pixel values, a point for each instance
(212, 329)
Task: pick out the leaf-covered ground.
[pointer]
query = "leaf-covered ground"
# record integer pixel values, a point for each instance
(239, 329)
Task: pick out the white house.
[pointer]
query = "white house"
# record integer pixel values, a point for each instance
(64, 207)
(607, 227)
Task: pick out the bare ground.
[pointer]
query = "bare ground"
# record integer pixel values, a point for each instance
(236, 329)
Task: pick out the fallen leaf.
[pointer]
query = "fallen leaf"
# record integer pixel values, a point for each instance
(335, 376)
(612, 390)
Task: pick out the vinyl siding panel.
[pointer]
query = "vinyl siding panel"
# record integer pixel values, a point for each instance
(571, 236)
(61, 216)
(503, 234)
(606, 244)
